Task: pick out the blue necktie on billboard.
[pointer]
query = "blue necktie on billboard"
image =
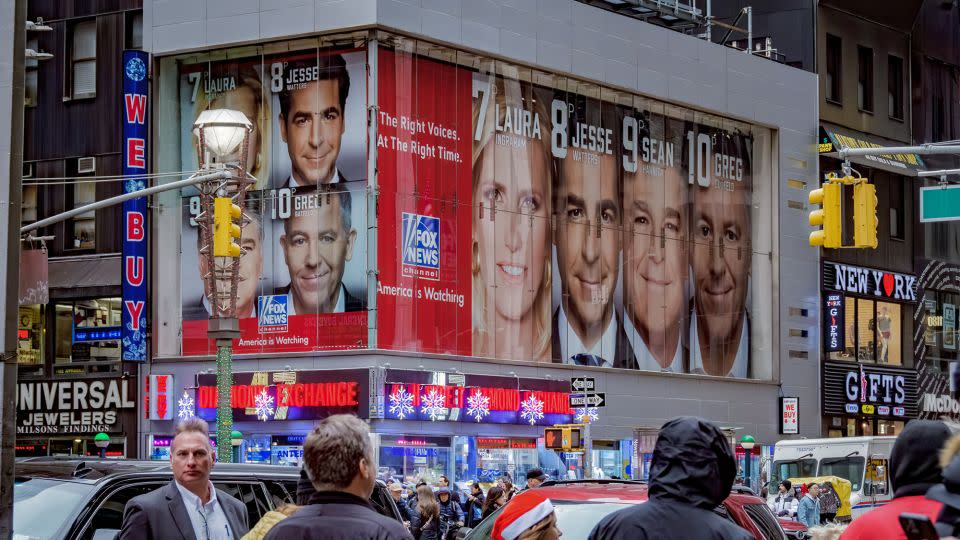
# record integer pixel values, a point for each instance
(587, 360)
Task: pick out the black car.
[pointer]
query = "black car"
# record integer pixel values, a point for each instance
(83, 499)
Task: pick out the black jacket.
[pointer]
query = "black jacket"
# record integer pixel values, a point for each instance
(473, 508)
(691, 474)
(335, 515)
(913, 460)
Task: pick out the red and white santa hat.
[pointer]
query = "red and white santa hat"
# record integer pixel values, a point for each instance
(523, 511)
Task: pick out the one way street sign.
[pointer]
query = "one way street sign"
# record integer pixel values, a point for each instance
(593, 400)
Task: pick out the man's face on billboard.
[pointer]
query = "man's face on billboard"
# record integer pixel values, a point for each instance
(720, 218)
(316, 248)
(250, 271)
(655, 221)
(312, 130)
(588, 262)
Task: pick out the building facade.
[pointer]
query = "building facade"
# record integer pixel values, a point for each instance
(69, 317)
(460, 207)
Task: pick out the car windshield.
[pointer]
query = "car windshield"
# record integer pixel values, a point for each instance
(849, 468)
(42, 506)
(574, 518)
(782, 470)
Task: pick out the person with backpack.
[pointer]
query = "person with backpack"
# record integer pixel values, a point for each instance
(425, 521)
(473, 511)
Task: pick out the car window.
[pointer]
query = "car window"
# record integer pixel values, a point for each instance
(575, 519)
(42, 507)
(109, 515)
(380, 504)
(255, 497)
(244, 495)
(279, 495)
(763, 518)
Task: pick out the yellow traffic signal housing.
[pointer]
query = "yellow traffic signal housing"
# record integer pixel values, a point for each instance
(563, 438)
(829, 216)
(865, 215)
(224, 229)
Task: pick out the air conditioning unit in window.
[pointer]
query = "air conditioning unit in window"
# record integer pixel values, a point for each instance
(27, 170)
(86, 165)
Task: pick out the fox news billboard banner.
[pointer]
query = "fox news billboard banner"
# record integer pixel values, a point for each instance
(302, 282)
(520, 216)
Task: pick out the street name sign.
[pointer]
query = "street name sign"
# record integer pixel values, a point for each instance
(940, 203)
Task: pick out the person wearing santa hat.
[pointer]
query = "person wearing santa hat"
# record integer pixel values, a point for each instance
(529, 516)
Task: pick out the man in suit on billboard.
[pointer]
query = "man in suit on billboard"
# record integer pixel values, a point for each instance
(654, 252)
(312, 103)
(588, 207)
(721, 258)
(317, 242)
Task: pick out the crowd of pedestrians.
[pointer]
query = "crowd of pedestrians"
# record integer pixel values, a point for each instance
(691, 473)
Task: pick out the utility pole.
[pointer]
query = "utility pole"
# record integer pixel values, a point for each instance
(13, 22)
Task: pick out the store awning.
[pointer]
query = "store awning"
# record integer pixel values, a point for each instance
(81, 272)
(833, 138)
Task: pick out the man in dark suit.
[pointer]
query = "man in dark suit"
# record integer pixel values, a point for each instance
(589, 212)
(317, 243)
(189, 507)
(654, 250)
(313, 98)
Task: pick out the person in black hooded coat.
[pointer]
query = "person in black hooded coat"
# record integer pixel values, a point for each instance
(691, 474)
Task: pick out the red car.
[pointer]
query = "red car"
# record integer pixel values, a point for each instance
(581, 504)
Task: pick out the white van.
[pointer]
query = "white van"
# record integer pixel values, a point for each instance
(864, 461)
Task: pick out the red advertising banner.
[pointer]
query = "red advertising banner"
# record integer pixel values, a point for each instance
(424, 163)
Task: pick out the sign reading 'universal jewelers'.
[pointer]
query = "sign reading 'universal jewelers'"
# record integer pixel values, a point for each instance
(70, 407)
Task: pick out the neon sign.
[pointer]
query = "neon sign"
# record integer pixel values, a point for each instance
(451, 403)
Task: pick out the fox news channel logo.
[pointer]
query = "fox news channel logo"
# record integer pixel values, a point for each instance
(420, 241)
(272, 313)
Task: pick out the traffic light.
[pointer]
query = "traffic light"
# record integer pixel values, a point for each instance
(829, 216)
(562, 438)
(865, 215)
(224, 229)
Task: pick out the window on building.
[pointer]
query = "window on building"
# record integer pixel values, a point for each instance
(834, 68)
(30, 76)
(28, 206)
(897, 207)
(134, 30)
(30, 335)
(83, 60)
(865, 78)
(873, 332)
(87, 331)
(82, 230)
(895, 87)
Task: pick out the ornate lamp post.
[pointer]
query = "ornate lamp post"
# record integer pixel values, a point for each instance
(102, 440)
(236, 439)
(222, 140)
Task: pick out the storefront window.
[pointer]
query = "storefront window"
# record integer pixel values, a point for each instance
(87, 331)
(874, 332)
(30, 335)
(411, 459)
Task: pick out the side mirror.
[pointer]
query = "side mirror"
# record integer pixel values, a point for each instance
(106, 534)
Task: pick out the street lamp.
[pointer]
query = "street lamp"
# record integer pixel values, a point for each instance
(220, 134)
(747, 442)
(102, 440)
(236, 439)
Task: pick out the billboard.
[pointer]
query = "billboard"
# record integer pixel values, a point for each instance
(520, 215)
(302, 277)
(579, 226)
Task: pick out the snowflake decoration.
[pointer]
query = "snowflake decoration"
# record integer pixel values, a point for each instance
(433, 405)
(531, 410)
(134, 184)
(135, 344)
(587, 414)
(263, 404)
(401, 403)
(478, 405)
(185, 407)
